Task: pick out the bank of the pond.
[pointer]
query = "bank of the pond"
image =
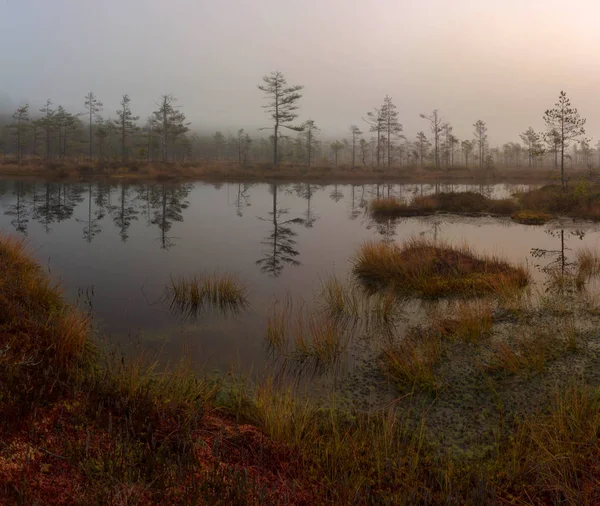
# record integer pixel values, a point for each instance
(533, 207)
(83, 426)
(220, 171)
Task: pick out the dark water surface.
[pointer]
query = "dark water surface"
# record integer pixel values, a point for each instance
(116, 246)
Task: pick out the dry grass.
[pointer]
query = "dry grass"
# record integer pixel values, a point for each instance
(526, 217)
(189, 296)
(423, 268)
(303, 334)
(411, 360)
(350, 304)
(454, 202)
(466, 320)
(531, 351)
(214, 170)
(40, 334)
(554, 457)
(588, 264)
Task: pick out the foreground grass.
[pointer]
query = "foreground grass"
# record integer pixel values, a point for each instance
(83, 426)
(427, 269)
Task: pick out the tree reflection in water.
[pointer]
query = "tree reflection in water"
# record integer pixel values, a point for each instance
(280, 242)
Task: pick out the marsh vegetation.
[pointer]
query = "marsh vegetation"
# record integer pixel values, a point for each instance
(396, 359)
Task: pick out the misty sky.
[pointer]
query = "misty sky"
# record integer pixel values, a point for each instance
(503, 61)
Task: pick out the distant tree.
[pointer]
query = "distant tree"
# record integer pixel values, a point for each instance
(586, 152)
(282, 106)
(364, 150)
(169, 122)
(336, 146)
(447, 144)
(532, 141)
(126, 124)
(480, 131)
(422, 144)
(375, 120)
(65, 123)
(243, 146)
(101, 136)
(564, 125)
(219, 142)
(47, 124)
(93, 107)
(436, 125)
(355, 131)
(467, 148)
(21, 117)
(453, 142)
(391, 126)
(309, 131)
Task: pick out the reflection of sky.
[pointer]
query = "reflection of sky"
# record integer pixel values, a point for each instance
(128, 277)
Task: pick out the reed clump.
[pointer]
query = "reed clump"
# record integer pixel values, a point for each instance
(349, 303)
(530, 352)
(588, 264)
(424, 268)
(305, 334)
(466, 320)
(411, 361)
(189, 296)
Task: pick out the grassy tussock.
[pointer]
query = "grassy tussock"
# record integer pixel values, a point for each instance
(40, 334)
(454, 202)
(427, 269)
(189, 296)
(581, 200)
(535, 207)
(527, 217)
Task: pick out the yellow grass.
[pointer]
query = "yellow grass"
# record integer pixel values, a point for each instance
(188, 296)
(411, 361)
(433, 269)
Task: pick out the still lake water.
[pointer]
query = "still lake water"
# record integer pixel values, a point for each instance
(116, 246)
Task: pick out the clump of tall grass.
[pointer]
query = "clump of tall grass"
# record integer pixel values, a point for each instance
(531, 351)
(189, 296)
(433, 269)
(304, 334)
(588, 264)
(349, 303)
(554, 457)
(466, 320)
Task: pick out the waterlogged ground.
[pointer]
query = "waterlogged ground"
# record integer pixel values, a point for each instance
(114, 248)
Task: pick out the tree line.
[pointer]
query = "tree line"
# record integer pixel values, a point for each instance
(166, 137)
